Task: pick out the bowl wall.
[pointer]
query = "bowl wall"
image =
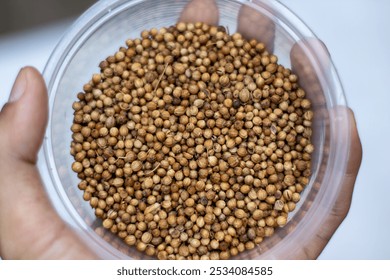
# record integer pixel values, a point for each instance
(103, 29)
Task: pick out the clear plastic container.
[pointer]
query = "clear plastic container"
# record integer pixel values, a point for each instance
(102, 29)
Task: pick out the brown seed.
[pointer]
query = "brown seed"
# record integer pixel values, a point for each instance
(179, 68)
(289, 180)
(108, 223)
(305, 104)
(77, 167)
(213, 160)
(224, 80)
(179, 111)
(200, 222)
(251, 206)
(242, 152)
(199, 103)
(244, 95)
(257, 214)
(183, 251)
(287, 194)
(194, 243)
(118, 182)
(240, 214)
(130, 240)
(209, 218)
(278, 205)
(281, 221)
(136, 165)
(146, 237)
(233, 161)
(148, 183)
(309, 149)
(153, 208)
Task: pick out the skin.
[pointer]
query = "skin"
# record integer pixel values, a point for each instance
(29, 226)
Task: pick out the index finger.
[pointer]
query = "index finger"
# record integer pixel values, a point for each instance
(254, 24)
(205, 11)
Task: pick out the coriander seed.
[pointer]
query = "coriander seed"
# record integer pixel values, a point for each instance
(192, 143)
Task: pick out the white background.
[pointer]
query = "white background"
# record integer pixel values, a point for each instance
(357, 34)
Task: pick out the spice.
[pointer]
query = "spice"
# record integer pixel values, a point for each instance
(192, 143)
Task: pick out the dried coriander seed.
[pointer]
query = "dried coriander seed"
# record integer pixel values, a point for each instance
(192, 143)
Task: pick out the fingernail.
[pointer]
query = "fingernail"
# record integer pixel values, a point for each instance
(19, 86)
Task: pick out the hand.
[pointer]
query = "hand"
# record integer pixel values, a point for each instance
(29, 226)
(254, 25)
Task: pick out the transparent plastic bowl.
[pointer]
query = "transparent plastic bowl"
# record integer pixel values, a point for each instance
(101, 30)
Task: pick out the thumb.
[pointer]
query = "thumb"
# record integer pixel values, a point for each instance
(29, 226)
(25, 115)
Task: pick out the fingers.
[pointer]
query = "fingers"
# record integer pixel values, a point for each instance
(200, 11)
(343, 203)
(312, 245)
(255, 25)
(303, 64)
(251, 23)
(29, 226)
(306, 66)
(356, 154)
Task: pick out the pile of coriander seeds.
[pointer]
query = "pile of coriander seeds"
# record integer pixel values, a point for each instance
(192, 143)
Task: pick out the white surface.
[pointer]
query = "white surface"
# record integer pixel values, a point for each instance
(356, 34)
